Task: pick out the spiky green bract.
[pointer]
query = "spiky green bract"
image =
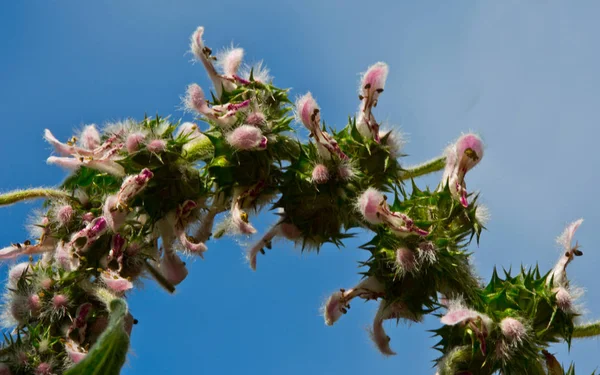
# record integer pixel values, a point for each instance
(528, 297)
(110, 351)
(260, 170)
(376, 163)
(321, 212)
(441, 261)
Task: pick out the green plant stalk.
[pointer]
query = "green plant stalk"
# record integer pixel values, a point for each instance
(587, 330)
(423, 169)
(36, 193)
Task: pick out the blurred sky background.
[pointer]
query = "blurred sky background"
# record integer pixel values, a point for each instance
(523, 74)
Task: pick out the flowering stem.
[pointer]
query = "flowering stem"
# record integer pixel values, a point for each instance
(587, 330)
(22, 195)
(431, 166)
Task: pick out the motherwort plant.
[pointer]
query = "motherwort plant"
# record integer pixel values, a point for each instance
(142, 194)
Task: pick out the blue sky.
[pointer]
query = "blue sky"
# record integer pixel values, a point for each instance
(523, 74)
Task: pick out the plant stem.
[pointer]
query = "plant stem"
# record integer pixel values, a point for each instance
(587, 330)
(22, 195)
(430, 166)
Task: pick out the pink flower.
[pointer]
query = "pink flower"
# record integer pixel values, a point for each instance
(255, 118)
(157, 146)
(64, 214)
(34, 303)
(290, 231)
(17, 272)
(79, 324)
(287, 230)
(134, 142)
(458, 313)
(558, 276)
(479, 323)
(369, 203)
(4, 369)
(460, 158)
(203, 54)
(564, 300)
(83, 239)
(406, 261)
(173, 268)
(374, 209)
(60, 301)
(87, 217)
(320, 174)
(469, 150)
(230, 61)
(46, 244)
(102, 158)
(396, 310)
(114, 213)
(247, 137)
(514, 331)
(222, 115)
(339, 302)
(183, 214)
(115, 282)
(345, 172)
(265, 241)
(241, 197)
(372, 84)
(116, 251)
(132, 186)
(43, 368)
(65, 258)
(90, 138)
(74, 351)
(308, 112)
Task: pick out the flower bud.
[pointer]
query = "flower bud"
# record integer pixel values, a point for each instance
(64, 214)
(43, 368)
(406, 261)
(134, 142)
(60, 302)
(255, 118)
(18, 271)
(513, 330)
(345, 172)
(320, 174)
(157, 146)
(564, 301)
(247, 137)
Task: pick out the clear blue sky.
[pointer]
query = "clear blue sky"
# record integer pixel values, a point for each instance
(524, 74)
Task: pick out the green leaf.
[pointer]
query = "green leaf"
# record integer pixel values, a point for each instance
(108, 355)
